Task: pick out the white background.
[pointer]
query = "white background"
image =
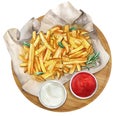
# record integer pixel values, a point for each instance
(15, 13)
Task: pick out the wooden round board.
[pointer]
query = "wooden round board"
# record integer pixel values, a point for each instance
(72, 103)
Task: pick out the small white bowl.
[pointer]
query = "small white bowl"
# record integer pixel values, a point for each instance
(86, 97)
(52, 94)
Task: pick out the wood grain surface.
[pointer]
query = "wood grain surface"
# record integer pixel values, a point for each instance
(72, 103)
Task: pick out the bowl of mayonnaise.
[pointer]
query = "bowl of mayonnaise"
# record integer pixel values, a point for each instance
(52, 94)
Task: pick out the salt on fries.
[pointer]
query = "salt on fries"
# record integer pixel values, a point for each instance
(61, 50)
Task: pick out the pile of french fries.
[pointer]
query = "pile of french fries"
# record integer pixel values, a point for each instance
(61, 50)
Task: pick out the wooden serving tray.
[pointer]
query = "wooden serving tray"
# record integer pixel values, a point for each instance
(73, 103)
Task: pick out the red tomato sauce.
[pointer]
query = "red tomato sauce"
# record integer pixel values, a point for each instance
(83, 84)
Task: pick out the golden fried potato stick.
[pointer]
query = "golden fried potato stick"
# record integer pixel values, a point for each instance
(48, 35)
(74, 33)
(66, 28)
(78, 67)
(37, 52)
(76, 54)
(27, 56)
(26, 49)
(83, 32)
(34, 35)
(47, 74)
(45, 42)
(35, 67)
(65, 69)
(58, 53)
(31, 59)
(58, 74)
(47, 55)
(39, 78)
(72, 43)
(22, 58)
(75, 61)
(37, 41)
(41, 63)
(51, 66)
(38, 63)
(55, 29)
(66, 45)
(72, 69)
(85, 43)
(24, 64)
(76, 49)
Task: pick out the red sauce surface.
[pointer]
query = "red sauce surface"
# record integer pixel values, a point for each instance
(83, 84)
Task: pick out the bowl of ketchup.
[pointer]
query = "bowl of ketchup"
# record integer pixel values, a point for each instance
(83, 85)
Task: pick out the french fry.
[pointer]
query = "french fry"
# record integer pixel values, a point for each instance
(74, 33)
(48, 35)
(41, 64)
(83, 32)
(36, 67)
(45, 42)
(72, 69)
(58, 74)
(37, 52)
(59, 31)
(24, 64)
(87, 37)
(84, 54)
(82, 64)
(26, 49)
(51, 66)
(66, 45)
(27, 56)
(37, 40)
(77, 41)
(66, 69)
(79, 54)
(64, 53)
(85, 43)
(58, 53)
(76, 50)
(34, 35)
(90, 50)
(75, 61)
(59, 37)
(59, 65)
(52, 42)
(78, 67)
(39, 78)
(71, 40)
(55, 29)
(76, 54)
(47, 74)
(38, 64)
(47, 55)
(69, 65)
(31, 59)
(61, 72)
(65, 58)
(66, 28)
(22, 58)
(55, 44)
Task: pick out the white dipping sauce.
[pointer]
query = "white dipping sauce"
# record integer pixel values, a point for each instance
(52, 94)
